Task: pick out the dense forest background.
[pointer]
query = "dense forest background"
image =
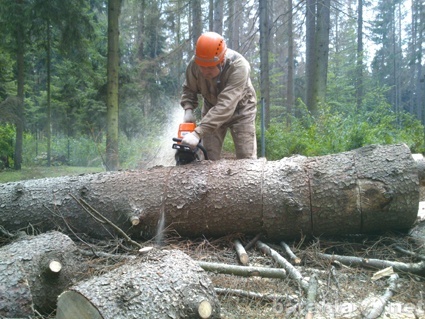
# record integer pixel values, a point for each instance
(330, 75)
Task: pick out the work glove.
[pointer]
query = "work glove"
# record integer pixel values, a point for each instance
(188, 116)
(191, 139)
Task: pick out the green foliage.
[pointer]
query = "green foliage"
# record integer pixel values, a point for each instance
(334, 132)
(7, 134)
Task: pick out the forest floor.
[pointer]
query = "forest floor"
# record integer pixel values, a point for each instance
(343, 290)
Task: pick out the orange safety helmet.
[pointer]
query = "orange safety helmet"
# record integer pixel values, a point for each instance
(210, 49)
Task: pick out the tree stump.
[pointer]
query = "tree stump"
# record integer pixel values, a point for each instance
(34, 270)
(161, 284)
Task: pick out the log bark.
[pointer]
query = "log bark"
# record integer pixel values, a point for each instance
(161, 284)
(375, 188)
(30, 278)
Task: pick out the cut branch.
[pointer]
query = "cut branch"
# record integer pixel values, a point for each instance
(294, 259)
(373, 307)
(252, 294)
(244, 271)
(240, 250)
(414, 268)
(292, 271)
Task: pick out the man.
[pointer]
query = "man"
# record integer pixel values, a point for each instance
(222, 77)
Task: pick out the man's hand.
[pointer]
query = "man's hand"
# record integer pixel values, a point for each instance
(191, 139)
(188, 116)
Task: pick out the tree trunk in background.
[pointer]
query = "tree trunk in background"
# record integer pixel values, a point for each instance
(310, 63)
(218, 16)
(359, 73)
(114, 8)
(290, 80)
(163, 284)
(196, 20)
(26, 279)
(322, 47)
(375, 188)
(210, 15)
(141, 33)
(20, 52)
(264, 59)
(49, 104)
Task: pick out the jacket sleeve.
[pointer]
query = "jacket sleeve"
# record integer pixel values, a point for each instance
(228, 99)
(189, 98)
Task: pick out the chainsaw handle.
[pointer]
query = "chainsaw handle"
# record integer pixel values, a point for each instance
(202, 148)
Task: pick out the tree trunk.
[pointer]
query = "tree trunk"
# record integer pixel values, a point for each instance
(114, 8)
(322, 47)
(218, 16)
(360, 54)
(310, 63)
(264, 58)
(20, 65)
(290, 100)
(29, 274)
(375, 188)
(163, 284)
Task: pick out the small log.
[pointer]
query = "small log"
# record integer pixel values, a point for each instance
(34, 271)
(244, 271)
(159, 284)
(240, 250)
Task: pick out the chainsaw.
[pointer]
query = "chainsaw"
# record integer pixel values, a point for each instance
(184, 154)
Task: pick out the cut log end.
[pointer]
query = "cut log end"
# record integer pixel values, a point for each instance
(205, 309)
(73, 305)
(134, 220)
(55, 266)
(244, 259)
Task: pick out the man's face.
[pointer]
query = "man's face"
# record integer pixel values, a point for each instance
(209, 72)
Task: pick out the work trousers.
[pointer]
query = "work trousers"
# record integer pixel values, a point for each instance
(244, 138)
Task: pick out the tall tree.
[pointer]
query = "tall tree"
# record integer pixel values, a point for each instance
(196, 20)
(385, 63)
(264, 58)
(114, 8)
(218, 16)
(359, 69)
(290, 78)
(322, 47)
(317, 52)
(20, 51)
(311, 66)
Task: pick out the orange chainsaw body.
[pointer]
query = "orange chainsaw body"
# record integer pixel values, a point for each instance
(185, 128)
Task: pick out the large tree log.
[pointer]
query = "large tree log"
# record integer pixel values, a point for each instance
(163, 284)
(375, 188)
(34, 270)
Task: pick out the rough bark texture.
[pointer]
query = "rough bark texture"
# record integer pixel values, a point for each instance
(163, 284)
(375, 188)
(15, 292)
(26, 283)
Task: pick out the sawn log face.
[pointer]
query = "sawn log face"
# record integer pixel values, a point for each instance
(375, 188)
(163, 284)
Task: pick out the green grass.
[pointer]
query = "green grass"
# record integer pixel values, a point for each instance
(35, 172)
